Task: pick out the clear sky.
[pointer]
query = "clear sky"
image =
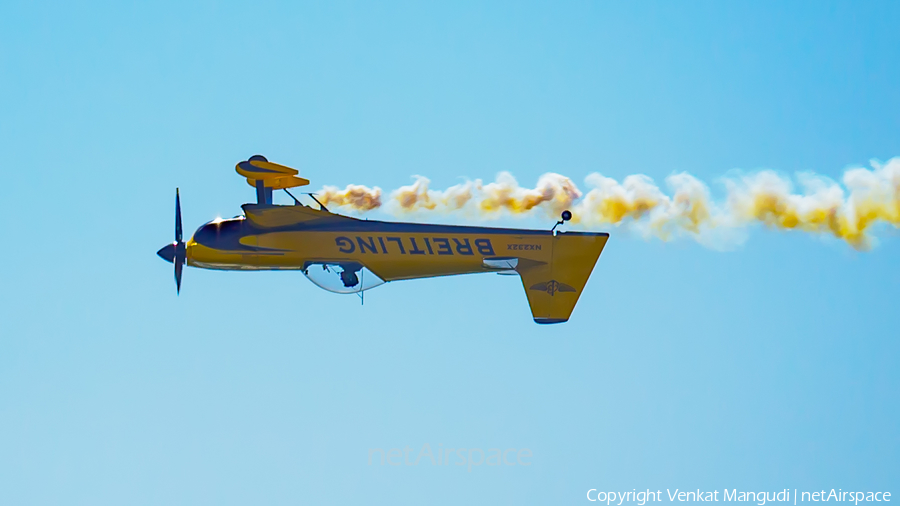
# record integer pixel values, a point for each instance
(772, 366)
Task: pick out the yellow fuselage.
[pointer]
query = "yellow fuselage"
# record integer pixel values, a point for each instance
(554, 267)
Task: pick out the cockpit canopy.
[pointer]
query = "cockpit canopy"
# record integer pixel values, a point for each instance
(342, 277)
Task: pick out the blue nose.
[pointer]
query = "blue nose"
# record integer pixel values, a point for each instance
(167, 253)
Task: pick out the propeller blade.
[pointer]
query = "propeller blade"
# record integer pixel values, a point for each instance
(178, 267)
(177, 216)
(176, 252)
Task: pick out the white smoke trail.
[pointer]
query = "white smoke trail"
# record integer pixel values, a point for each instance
(868, 197)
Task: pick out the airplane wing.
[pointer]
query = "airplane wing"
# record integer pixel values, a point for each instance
(272, 175)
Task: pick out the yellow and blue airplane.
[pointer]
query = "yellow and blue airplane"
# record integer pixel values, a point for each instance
(348, 255)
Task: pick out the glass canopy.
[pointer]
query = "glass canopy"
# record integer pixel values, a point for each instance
(342, 277)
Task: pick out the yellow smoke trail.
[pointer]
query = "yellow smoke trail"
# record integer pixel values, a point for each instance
(553, 191)
(357, 197)
(417, 196)
(868, 197)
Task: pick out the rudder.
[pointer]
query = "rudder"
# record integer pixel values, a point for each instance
(553, 288)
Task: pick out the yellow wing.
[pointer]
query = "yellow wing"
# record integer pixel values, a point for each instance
(272, 175)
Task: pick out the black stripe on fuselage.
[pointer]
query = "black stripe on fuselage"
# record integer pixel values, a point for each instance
(226, 234)
(347, 224)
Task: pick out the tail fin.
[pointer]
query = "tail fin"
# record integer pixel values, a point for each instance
(554, 288)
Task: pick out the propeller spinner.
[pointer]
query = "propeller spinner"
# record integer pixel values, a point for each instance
(175, 252)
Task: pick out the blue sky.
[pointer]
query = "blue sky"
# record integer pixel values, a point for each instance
(769, 367)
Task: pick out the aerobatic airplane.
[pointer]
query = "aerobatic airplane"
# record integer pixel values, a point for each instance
(348, 255)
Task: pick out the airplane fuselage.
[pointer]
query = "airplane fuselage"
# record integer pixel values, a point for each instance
(392, 250)
(554, 267)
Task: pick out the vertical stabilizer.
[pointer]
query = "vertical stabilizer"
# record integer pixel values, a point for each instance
(554, 288)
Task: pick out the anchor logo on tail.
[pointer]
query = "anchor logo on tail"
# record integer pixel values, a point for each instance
(552, 287)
